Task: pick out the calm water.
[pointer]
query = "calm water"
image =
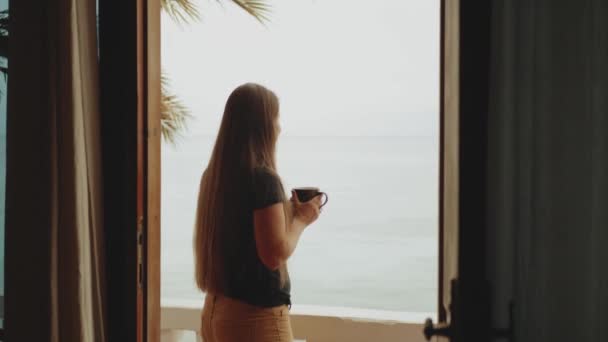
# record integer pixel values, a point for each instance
(375, 244)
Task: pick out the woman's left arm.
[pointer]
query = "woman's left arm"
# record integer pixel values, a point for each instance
(274, 241)
(277, 234)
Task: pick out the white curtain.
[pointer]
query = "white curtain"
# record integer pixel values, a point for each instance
(76, 244)
(548, 169)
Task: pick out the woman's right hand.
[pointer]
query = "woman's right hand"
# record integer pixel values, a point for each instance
(307, 212)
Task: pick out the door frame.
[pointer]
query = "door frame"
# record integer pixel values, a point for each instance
(448, 154)
(129, 48)
(465, 71)
(473, 290)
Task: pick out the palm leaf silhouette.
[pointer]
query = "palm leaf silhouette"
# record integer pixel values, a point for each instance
(181, 11)
(258, 9)
(174, 114)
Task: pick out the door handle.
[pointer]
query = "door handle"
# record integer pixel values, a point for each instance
(453, 329)
(445, 330)
(431, 330)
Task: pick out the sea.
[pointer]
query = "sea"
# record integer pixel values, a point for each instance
(374, 245)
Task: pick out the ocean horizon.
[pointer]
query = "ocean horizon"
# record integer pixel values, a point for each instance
(375, 244)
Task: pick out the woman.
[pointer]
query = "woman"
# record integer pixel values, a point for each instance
(245, 229)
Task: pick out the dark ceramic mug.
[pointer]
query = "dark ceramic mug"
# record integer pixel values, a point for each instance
(305, 194)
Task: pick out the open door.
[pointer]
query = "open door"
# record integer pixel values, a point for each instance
(448, 167)
(152, 142)
(449, 163)
(129, 34)
(464, 108)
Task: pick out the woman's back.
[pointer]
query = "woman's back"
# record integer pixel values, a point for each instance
(243, 235)
(246, 277)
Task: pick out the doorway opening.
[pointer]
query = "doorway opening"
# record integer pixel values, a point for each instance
(359, 86)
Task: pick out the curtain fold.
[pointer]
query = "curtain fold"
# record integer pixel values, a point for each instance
(54, 224)
(77, 274)
(548, 170)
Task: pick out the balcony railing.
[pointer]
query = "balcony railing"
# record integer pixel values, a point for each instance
(181, 319)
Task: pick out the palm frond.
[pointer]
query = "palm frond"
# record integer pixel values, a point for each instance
(182, 11)
(4, 23)
(259, 9)
(173, 114)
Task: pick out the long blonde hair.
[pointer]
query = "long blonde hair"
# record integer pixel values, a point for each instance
(246, 140)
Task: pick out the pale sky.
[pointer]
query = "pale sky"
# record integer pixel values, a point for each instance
(339, 67)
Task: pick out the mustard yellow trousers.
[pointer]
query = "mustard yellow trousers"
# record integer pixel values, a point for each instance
(229, 320)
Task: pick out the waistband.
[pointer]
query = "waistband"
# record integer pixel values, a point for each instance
(223, 303)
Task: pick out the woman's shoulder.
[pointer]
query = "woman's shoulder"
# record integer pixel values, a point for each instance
(267, 187)
(265, 176)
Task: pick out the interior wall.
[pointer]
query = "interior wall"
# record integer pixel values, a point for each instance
(548, 169)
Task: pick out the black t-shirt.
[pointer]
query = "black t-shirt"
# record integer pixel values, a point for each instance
(249, 279)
